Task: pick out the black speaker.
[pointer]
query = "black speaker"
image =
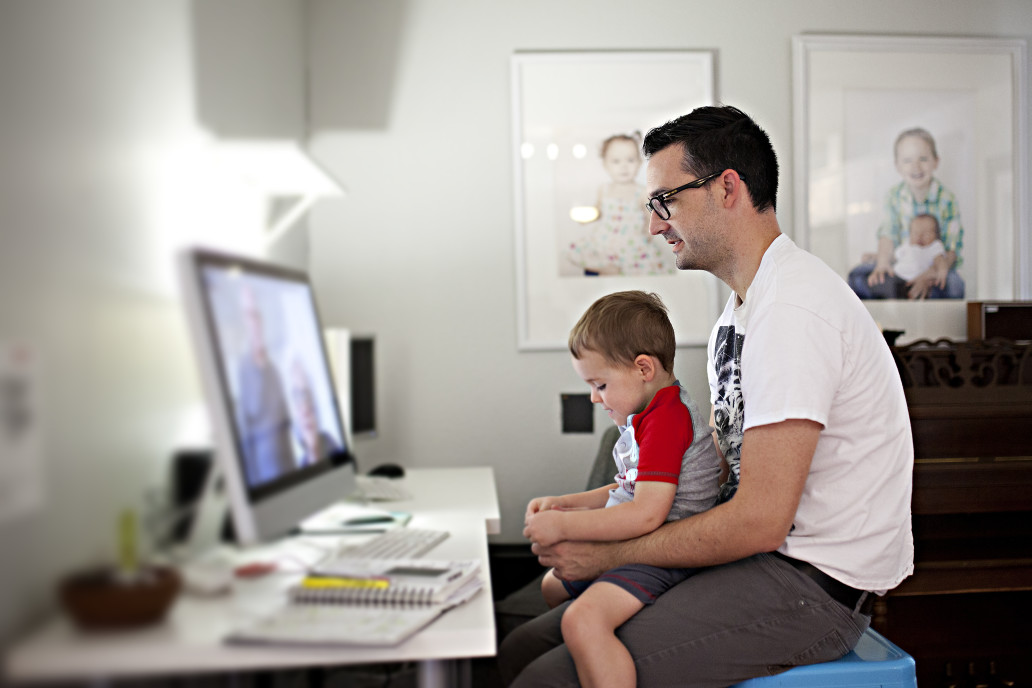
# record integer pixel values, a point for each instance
(363, 386)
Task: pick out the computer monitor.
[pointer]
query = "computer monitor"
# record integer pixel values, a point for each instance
(278, 430)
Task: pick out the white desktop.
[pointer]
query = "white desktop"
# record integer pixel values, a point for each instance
(284, 453)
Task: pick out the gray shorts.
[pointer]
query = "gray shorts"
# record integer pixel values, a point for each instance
(646, 583)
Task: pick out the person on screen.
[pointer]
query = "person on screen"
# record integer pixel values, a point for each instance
(263, 415)
(316, 444)
(666, 469)
(813, 519)
(919, 193)
(617, 242)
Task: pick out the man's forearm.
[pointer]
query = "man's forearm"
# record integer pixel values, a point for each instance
(705, 539)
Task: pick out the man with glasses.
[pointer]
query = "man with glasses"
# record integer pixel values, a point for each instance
(813, 519)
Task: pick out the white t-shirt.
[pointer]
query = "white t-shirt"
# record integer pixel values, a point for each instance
(804, 346)
(912, 260)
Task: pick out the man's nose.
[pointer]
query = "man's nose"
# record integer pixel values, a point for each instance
(656, 225)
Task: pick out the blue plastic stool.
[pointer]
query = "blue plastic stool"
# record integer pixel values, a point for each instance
(874, 663)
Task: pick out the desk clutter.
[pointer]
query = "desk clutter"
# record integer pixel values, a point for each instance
(365, 602)
(193, 636)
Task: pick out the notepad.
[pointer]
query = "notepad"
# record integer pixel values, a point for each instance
(366, 602)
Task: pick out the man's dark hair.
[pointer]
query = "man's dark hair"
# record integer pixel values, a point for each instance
(717, 138)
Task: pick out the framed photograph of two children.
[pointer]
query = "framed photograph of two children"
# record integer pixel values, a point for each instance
(581, 223)
(889, 128)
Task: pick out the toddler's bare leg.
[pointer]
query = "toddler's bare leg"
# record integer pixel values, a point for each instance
(589, 630)
(553, 591)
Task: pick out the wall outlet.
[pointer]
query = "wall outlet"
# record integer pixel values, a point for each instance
(578, 413)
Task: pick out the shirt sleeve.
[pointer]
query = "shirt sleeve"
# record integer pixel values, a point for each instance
(949, 223)
(791, 366)
(663, 433)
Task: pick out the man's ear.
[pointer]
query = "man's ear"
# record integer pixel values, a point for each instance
(733, 188)
(646, 365)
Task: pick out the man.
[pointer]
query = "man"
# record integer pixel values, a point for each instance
(814, 516)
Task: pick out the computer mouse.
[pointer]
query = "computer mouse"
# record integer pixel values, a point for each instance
(388, 470)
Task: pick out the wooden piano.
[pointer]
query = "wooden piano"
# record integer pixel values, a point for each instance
(967, 610)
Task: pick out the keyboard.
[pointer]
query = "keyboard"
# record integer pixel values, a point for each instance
(377, 489)
(399, 543)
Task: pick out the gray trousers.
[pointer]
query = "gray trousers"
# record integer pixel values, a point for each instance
(755, 617)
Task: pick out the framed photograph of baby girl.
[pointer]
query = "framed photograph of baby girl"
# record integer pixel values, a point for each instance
(912, 172)
(581, 224)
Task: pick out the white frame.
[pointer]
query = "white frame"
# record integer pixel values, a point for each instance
(868, 67)
(559, 96)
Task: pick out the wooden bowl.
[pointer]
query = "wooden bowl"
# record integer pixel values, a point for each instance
(98, 599)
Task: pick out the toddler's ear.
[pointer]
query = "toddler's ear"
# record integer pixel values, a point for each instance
(646, 365)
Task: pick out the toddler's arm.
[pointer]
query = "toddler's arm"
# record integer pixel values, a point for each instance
(592, 499)
(648, 511)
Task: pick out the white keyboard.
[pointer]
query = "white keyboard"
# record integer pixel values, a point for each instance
(378, 489)
(399, 543)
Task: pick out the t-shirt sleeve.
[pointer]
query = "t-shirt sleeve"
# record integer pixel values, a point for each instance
(664, 434)
(791, 365)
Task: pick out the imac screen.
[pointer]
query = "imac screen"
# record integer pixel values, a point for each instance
(281, 426)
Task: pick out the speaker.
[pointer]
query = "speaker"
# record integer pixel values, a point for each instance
(1006, 319)
(352, 359)
(363, 386)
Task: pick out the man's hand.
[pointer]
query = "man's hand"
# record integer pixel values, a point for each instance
(544, 527)
(574, 560)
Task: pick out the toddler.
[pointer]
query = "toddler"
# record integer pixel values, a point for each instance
(667, 469)
(618, 242)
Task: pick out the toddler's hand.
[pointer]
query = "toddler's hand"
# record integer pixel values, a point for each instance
(539, 504)
(544, 528)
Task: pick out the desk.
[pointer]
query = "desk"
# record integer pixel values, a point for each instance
(462, 501)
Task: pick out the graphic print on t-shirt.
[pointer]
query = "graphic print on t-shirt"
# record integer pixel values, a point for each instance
(729, 410)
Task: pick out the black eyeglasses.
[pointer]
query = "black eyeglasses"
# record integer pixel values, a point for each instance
(657, 204)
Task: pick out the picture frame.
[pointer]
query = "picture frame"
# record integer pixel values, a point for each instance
(565, 105)
(853, 96)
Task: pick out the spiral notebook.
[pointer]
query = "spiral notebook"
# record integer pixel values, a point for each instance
(366, 602)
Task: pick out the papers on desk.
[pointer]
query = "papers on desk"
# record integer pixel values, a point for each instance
(366, 602)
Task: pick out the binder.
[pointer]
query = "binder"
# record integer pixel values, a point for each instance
(371, 602)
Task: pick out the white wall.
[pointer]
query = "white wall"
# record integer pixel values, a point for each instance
(422, 251)
(107, 121)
